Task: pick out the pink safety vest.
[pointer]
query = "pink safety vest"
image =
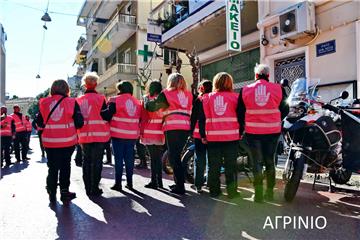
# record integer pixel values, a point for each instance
(95, 129)
(59, 132)
(6, 126)
(221, 118)
(177, 115)
(152, 128)
(262, 100)
(196, 133)
(19, 123)
(28, 126)
(125, 123)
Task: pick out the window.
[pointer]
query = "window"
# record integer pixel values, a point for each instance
(169, 56)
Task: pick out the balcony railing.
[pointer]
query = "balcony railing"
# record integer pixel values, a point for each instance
(118, 18)
(122, 68)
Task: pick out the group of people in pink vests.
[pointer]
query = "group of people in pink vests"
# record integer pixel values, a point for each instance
(217, 119)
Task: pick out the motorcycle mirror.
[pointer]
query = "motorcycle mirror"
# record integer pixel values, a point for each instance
(344, 94)
(284, 82)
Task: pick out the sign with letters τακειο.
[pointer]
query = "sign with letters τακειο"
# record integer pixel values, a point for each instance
(325, 48)
(233, 25)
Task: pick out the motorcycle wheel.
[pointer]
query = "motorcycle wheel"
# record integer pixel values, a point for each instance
(166, 164)
(188, 161)
(340, 175)
(294, 177)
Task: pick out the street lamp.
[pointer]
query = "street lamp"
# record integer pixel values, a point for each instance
(46, 18)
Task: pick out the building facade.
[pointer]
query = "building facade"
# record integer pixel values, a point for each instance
(319, 40)
(200, 27)
(23, 103)
(2, 65)
(116, 45)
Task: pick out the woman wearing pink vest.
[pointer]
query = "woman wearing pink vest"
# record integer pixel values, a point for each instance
(59, 117)
(125, 111)
(176, 102)
(200, 148)
(7, 134)
(152, 136)
(219, 127)
(94, 134)
(262, 106)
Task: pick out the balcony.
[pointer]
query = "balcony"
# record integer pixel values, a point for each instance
(201, 26)
(115, 33)
(119, 71)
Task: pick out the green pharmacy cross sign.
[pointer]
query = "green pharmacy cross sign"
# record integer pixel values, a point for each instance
(146, 53)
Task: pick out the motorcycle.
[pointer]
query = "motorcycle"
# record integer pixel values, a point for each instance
(320, 138)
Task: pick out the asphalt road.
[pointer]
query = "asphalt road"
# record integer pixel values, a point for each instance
(150, 214)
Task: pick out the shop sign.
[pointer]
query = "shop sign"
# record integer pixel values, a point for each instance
(233, 25)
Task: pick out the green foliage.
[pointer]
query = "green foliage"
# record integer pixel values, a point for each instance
(15, 97)
(34, 107)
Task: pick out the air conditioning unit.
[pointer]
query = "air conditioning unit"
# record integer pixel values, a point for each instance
(297, 20)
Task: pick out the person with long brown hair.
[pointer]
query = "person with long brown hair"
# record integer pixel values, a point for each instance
(219, 128)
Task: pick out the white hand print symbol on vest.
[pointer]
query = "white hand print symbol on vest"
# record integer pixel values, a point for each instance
(58, 112)
(183, 100)
(261, 97)
(130, 107)
(219, 106)
(85, 108)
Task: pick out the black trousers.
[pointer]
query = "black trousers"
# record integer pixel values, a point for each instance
(156, 152)
(79, 155)
(141, 152)
(222, 153)
(28, 137)
(262, 152)
(59, 168)
(41, 144)
(200, 162)
(20, 139)
(92, 165)
(108, 151)
(5, 149)
(175, 141)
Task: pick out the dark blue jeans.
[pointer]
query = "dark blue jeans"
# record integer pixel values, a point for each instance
(123, 152)
(200, 162)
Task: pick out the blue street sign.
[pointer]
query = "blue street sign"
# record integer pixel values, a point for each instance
(154, 37)
(325, 48)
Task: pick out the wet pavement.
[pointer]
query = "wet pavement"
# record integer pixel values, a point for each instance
(25, 212)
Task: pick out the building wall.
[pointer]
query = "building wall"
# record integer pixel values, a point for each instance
(2, 66)
(24, 104)
(336, 20)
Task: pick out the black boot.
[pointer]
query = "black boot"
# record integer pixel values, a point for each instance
(117, 187)
(269, 195)
(67, 196)
(152, 185)
(259, 197)
(52, 195)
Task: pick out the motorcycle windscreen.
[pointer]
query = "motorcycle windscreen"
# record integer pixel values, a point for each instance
(351, 141)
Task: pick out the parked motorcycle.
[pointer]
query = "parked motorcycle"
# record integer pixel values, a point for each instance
(320, 138)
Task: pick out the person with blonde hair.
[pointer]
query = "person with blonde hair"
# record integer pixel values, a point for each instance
(176, 102)
(94, 134)
(219, 128)
(59, 117)
(262, 106)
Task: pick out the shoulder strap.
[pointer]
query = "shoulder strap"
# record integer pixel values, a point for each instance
(53, 109)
